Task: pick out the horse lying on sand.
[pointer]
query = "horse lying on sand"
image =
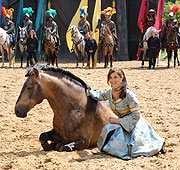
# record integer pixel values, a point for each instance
(78, 119)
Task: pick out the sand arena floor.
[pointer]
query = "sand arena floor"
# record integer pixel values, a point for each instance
(158, 92)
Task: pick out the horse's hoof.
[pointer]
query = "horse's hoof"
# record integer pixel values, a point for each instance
(47, 147)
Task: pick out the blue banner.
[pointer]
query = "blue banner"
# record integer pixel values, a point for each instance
(39, 21)
(19, 20)
(0, 13)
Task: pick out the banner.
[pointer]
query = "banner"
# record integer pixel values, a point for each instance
(143, 14)
(96, 17)
(159, 18)
(39, 21)
(74, 21)
(19, 20)
(0, 13)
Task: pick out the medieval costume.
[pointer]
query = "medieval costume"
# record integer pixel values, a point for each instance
(51, 13)
(91, 47)
(8, 26)
(134, 136)
(83, 25)
(153, 49)
(27, 22)
(150, 20)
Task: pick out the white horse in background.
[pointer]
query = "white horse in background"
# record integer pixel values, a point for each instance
(146, 36)
(78, 43)
(5, 44)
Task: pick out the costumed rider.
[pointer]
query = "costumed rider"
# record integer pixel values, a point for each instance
(51, 13)
(108, 12)
(8, 25)
(27, 12)
(170, 24)
(150, 20)
(83, 25)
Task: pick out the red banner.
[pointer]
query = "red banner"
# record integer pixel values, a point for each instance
(143, 14)
(159, 21)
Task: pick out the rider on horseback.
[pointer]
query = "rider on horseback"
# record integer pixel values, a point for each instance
(150, 20)
(27, 23)
(8, 26)
(83, 25)
(111, 25)
(171, 23)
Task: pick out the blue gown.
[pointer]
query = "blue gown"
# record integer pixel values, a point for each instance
(134, 136)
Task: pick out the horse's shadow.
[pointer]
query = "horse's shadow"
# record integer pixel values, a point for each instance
(24, 153)
(147, 68)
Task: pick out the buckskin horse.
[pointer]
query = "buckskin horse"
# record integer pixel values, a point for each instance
(172, 45)
(78, 119)
(49, 46)
(108, 44)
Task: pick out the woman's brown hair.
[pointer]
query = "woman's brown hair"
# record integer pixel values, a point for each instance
(120, 72)
(34, 33)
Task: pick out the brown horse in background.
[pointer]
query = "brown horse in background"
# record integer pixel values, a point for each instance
(172, 45)
(49, 46)
(78, 119)
(108, 44)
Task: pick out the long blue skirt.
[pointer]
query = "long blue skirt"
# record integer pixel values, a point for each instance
(142, 140)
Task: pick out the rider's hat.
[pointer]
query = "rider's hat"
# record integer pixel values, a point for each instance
(51, 13)
(83, 11)
(151, 10)
(109, 11)
(27, 15)
(7, 16)
(107, 14)
(171, 14)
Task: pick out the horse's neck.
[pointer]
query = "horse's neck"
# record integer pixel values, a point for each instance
(172, 36)
(108, 38)
(59, 91)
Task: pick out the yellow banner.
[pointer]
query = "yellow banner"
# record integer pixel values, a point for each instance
(96, 17)
(74, 21)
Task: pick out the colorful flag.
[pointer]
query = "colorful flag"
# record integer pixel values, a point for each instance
(39, 21)
(159, 18)
(19, 20)
(0, 13)
(74, 21)
(96, 17)
(143, 14)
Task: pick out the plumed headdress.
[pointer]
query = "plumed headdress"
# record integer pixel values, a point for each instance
(174, 9)
(28, 11)
(83, 11)
(51, 13)
(7, 12)
(109, 11)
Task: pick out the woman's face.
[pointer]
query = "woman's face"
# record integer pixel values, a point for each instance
(31, 33)
(115, 80)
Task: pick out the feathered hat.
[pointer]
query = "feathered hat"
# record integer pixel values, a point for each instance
(109, 11)
(174, 9)
(6, 12)
(51, 13)
(83, 11)
(28, 11)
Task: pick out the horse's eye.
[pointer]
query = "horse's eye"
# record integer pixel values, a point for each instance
(30, 87)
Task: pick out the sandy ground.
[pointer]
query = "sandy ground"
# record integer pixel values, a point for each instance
(158, 92)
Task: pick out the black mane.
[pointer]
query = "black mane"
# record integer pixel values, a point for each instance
(64, 73)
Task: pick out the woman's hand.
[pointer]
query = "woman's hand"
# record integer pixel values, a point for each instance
(114, 120)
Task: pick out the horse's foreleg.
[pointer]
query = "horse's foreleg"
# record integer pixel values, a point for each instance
(105, 61)
(2, 52)
(45, 137)
(175, 56)
(77, 64)
(144, 54)
(9, 57)
(169, 58)
(111, 60)
(82, 59)
(76, 145)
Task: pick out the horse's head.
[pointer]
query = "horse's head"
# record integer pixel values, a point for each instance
(48, 33)
(22, 34)
(74, 32)
(31, 94)
(103, 31)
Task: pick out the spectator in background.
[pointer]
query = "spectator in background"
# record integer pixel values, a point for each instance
(91, 47)
(153, 45)
(32, 46)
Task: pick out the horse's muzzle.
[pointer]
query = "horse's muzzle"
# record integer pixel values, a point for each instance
(20, 112)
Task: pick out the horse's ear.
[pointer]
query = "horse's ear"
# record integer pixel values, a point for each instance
(19, 28)
(36, 72)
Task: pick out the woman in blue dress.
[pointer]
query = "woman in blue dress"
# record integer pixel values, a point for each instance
(130, 135)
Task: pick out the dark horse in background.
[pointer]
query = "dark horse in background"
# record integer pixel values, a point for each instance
(49, 47)
(171, 44)
(78, 119)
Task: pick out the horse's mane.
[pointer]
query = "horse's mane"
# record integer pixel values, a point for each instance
(108, 30)
(68, 75)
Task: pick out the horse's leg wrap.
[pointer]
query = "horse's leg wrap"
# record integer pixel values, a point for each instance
(111, 60)
(77, 145)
